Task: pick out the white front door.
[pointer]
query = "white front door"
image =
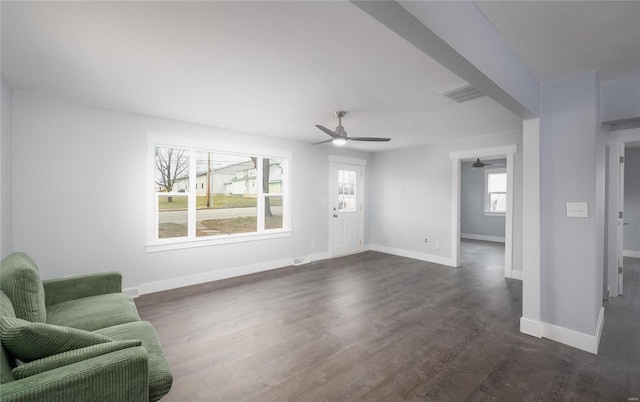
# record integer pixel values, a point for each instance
(346, 208)
(621, 218)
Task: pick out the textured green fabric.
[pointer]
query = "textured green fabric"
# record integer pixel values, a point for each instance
(6, 308)
(91, 313)
(29, 341)
(6, 364)
(70, 357)
(76, 287)
(6, 360)
(22, 284)
(115, 377)
(160, 377)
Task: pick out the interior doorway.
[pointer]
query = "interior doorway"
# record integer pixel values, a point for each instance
(483, 201)
(507, 153)
(623, 212)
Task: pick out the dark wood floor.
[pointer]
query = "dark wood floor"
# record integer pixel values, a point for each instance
(377, 327)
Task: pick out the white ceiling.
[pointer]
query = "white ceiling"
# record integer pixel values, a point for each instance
(558, 39)
(273, 68)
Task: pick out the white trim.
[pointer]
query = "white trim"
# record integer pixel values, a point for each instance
(507, 151)
(531, 218)
(579, 340)
(178, 244)
(194, 144)
(470, 236)
(614, 139)
(516, 274)
(599, 326)
(348, 161)
(414, 254)
(362, 163)
(631, 253)
(456, 208)
(189, 280)
(503, 214)
(531, 327)
(485, 152)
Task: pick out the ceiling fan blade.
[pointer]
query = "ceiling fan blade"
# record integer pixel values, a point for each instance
(323, 142)
(326, 130)
(376, 139)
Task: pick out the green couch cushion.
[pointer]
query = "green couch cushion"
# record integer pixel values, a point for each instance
(160, 377)
(6, 361)
(29, 341)
(22, 284)
(95, 312)
(70, 357)
(6, 308)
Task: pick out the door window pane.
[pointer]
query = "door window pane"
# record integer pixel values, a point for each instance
(346, 190)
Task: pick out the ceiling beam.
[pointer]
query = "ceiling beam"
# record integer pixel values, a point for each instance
(459, 37)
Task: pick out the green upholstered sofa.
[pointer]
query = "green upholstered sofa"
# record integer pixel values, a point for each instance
(77, 338)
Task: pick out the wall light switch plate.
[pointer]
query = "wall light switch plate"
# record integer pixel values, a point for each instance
(577, 210)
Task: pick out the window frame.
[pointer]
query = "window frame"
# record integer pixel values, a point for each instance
(201, 144)
(487, 194)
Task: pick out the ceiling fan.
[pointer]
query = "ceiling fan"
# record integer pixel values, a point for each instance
(339, 136)
(478, 164)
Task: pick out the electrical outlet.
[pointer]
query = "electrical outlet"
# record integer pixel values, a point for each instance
(437, 246)
(426, 240)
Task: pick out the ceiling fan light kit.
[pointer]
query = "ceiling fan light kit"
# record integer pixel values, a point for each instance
(478, 164)
(339, 135)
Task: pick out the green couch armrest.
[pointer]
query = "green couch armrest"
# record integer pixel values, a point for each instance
(76, 287)
(114, 377)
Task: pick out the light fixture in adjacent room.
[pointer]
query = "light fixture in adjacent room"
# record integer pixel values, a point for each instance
(478, 164)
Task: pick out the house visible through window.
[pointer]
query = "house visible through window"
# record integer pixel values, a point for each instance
(234, 195)
(495, 201)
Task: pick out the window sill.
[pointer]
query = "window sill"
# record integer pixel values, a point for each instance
(494, 213)
(178, 244)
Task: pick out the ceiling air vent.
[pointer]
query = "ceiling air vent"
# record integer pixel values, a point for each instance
(462, 93)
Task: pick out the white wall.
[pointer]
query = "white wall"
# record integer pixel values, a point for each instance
(632, 200)
(472, 195)
(79, 194)
(572, 248)
(411, 197)
(620, 99)
(6, 225)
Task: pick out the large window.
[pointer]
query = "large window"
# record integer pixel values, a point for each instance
(219, 197)
(495, 201)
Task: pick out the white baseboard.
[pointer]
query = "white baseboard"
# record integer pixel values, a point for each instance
(319, 256)
(578, 340)
(482, 237)
(516, 274)
(631, 253)
(413, 254)
(189, 280)
(531, 327)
